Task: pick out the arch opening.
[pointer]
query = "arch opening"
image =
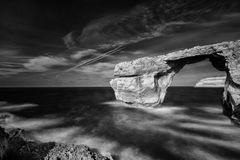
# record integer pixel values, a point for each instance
(198, 68)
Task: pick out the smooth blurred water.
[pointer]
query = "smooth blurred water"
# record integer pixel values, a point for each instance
(189, 125)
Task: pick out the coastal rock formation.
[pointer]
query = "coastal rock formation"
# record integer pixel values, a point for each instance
(14, 146)
(144, 81)
(211, 82)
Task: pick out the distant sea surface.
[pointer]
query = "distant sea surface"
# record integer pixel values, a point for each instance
(189, 125)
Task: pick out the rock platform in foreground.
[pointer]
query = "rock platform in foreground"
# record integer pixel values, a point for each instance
(14, 146)
(144, 81)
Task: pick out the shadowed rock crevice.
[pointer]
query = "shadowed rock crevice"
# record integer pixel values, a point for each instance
(144, 81)
(218, 62)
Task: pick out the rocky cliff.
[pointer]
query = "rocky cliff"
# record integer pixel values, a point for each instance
(144, 81)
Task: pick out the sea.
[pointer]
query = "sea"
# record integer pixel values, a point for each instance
(189, 125)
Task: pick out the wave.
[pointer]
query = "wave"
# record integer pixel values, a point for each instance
(6, 107)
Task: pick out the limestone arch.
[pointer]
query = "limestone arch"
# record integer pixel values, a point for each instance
(144, 81)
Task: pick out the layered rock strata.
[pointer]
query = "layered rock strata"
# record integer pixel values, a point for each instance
(144, 81)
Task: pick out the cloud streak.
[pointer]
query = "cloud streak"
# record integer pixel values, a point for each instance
(15, 64)
(96, 59)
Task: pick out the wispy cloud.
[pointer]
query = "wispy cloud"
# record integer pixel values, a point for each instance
(103, 68)
(11, 62)
(10, 71)
(138, 52)
(8, 52)
(137, 24)
(44, 63)
(83, 53)
(133, 52)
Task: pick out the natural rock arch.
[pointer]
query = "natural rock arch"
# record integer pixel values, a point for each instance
(144, 81)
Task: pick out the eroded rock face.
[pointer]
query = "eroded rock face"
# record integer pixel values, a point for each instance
(144, 81)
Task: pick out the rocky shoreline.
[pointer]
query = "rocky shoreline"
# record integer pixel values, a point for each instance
(15, 145)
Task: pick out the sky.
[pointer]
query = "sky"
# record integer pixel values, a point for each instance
(78, 42)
